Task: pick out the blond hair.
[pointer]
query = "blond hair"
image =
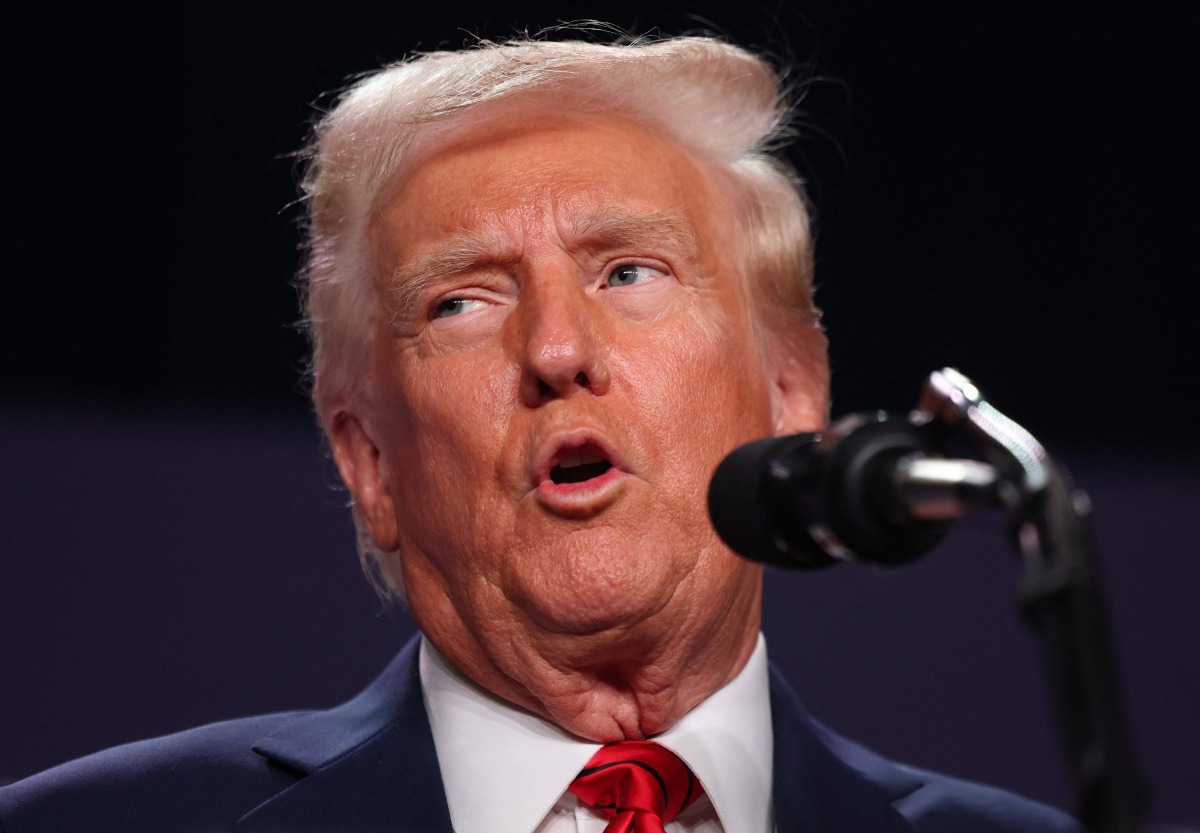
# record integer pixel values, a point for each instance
(721, 103)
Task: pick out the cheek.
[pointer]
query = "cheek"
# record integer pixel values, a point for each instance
(454, 405)
(452, 418)
(701, 388)
(725, 372)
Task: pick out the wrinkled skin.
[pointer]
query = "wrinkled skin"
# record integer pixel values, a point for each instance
(547, 288)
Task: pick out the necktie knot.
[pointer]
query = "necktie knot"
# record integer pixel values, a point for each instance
(639, 785)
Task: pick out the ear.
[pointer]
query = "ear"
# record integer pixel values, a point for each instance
(799, 386)
(362, 470)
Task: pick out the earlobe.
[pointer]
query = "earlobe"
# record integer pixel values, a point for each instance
(362, 470)
(800, 392)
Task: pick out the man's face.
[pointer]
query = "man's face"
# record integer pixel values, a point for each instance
(564, 358)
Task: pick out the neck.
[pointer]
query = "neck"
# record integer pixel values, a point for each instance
(624, 682)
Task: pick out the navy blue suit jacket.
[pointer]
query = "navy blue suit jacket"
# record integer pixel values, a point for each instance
(369, 766)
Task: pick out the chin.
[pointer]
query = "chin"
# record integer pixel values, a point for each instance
(598, 611)
(594, 593)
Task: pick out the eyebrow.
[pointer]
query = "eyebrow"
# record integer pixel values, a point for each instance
(605, 228)
(613, 228)
(467, 250)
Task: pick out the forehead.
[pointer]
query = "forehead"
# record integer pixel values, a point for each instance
(529, 170)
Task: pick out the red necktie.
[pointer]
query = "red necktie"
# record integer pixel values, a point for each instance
(639, 784)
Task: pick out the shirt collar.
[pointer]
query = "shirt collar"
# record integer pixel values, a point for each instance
(504, 768)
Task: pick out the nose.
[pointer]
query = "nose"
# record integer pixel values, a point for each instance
(562, 348)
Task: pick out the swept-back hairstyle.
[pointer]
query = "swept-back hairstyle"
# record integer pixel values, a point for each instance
(724, 105)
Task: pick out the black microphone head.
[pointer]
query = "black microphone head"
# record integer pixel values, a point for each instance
(744, 503)
(857, 506)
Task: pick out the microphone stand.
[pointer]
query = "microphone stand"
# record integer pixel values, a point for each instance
(1060, 596)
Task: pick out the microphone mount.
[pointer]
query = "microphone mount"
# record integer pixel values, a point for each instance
(884, 489)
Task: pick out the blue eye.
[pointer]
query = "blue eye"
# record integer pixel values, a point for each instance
(450, 307)
(455, 306)
(631, 273)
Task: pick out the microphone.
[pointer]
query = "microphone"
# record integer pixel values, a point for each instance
(873, 488)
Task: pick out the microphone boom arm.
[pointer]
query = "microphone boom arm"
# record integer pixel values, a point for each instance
(883, 489)
(1061, 598)
(1060, 593)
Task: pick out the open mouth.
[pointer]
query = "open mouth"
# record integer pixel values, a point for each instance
(576, 465)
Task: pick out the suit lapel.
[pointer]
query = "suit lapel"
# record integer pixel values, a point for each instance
(823, 783)
(368, 765)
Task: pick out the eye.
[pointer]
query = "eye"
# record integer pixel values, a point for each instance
(451, 307)
(628, 274)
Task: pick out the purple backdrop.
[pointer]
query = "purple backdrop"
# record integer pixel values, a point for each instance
(164, 569)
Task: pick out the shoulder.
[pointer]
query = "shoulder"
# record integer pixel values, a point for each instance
(948, 805)
(200, 779)
(215, 777)
(934, 803)
(824, 781)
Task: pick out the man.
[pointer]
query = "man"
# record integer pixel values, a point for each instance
(550, 286)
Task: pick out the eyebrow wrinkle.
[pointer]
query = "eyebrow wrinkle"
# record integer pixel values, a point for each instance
(601, 229)
(608, 227)
(468, 251)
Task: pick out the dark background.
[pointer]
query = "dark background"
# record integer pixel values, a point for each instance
(1006, 188)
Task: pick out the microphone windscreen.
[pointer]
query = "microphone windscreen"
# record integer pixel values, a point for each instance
(749, 507)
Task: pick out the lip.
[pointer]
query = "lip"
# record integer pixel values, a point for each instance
(583, 499)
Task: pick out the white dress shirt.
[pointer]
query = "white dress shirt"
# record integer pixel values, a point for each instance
(507, 770)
